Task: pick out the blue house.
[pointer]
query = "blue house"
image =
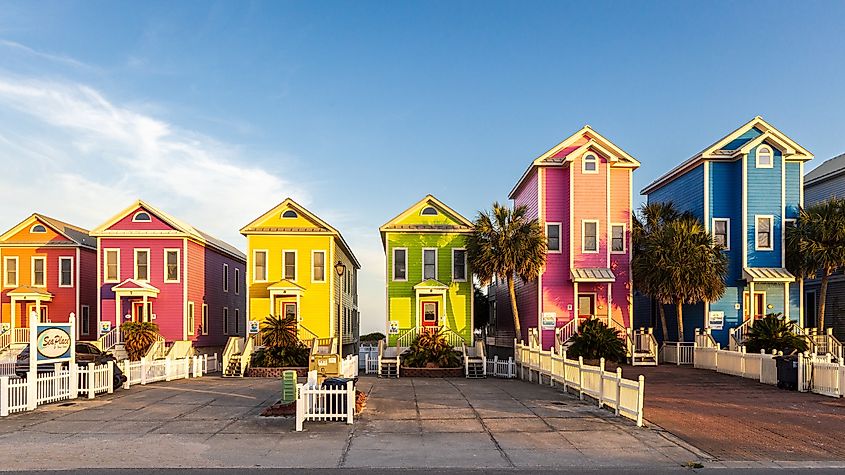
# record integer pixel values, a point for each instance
(745, 188)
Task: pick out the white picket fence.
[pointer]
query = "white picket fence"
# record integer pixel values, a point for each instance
(349, 366)
(317, 404)
(370, 364)
(608, 388)
(96, 379)
(150, 371)
(501, 368)
(368, 359)
(7, 368)
(828, 379)
(677, 352)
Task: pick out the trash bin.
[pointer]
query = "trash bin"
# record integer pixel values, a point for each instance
(336, 403)
(787, 367)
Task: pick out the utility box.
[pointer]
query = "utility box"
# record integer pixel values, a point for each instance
(289, 386)
(325, 365)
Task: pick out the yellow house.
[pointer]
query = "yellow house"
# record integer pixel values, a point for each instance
(298, 265)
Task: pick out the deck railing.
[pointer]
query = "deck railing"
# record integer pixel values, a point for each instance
(677, 352)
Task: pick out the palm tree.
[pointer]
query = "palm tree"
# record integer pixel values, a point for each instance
(816, 245)
(138, 337)
(677, 262)
(507, 244)
(774, 332)
(279, 331)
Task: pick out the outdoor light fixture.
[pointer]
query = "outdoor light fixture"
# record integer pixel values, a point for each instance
(340, 268)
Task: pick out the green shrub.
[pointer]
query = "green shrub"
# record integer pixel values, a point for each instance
(595, 340)
(280, 332)
(281, 357)
(431, 350)
(138, 337)
(373, 337)
(773, 332)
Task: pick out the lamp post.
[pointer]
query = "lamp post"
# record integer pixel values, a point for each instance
(340, 268)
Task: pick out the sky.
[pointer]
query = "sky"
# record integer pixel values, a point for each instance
(217, 111)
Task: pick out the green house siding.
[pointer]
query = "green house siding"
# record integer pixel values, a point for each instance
(402, 304)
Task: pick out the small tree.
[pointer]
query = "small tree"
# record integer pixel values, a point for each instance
(138, 337)
(431, 350)
(507, 244)
(280, 332)
(595, 340)
(774, 332)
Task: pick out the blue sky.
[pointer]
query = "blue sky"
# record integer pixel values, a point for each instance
(216, 111)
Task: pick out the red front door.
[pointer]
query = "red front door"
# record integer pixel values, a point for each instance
(429, 314)
(138, 312)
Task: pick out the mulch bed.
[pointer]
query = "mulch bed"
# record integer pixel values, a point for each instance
(259, 372)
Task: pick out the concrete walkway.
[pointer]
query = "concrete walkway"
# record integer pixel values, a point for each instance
(410, 423)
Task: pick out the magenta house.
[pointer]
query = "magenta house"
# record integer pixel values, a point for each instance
(153, 267)
(581, 192)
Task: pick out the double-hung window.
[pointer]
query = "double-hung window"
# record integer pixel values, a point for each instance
(85, 320)
(763, 233)
(225, 277)
(112, 265)
(590, 163)
(191, 319)
(259, 266)
(237, 281)
(400, 264)
(142, 264)
(459, 265)
(429, 264)
(617, 238)
(39, 271)
(65, 272)
(722, 232)
(204, 321)
(10, 271)
(318, 266)
(225, 320)
(764, 157)
(171, 265)
(553, 237)
(289, 258)
(589, 236)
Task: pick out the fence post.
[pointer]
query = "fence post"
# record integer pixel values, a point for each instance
(110, 374)
(601, 383)
(300, 408)
(800, 372)
(126, 369)
(89, 374)
(618, 389)
(552, 367)
(350, 402)
(640, 391)
(143, 371)
(580, 378)
(187, 363)
(31, 389)
(4, 396)
(74, 380)
(167, 365)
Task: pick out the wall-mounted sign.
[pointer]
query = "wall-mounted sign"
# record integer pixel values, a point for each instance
(716, 320)
(548, 320)
(5, 327)
(393, 327)
(53, 343)
(253, 326)
(105, 327)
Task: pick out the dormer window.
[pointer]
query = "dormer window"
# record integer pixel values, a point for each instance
(290, 214)
(590, 164)
(429, 211)
(38, 229)
(141, 217)
(764, 157)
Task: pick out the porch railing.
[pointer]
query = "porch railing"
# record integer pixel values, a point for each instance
(678, 352)
(736, 335)
(21, 335)
(109, 340)
(704, 338)
(826, 343)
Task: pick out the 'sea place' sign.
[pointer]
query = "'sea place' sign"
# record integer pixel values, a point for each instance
(53, 343)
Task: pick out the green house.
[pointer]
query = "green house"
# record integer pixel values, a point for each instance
(429, 282)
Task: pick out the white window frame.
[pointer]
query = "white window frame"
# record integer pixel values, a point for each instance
(559, 227)
(32, 270)
(237, 321)
(771, 218)
(225, 320)
(624, 238)
(106, 251)
(33, 231)
(266, 253)
(226, 278)
(422, 211)
(84, 329)
(584, 161)
(237, 280)
(66, 258)
(584, 223)
(192, 322)
(393, 264)
(135, 269)
(6, 260)
(136, 220)
(178, 266)
(204, 317)
(422, 260)
(455, 279)
(771, 157)
(295, 214)
(727, 222)
(285, 252)
(313, 267)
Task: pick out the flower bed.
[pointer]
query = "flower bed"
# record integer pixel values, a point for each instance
(258, 372)
(407, 372)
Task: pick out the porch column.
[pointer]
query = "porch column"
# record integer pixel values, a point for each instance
(751, 303)
(145, 314)
(38, 308)
(14, 316)
(609, 304)
(117, 315)
(575, 304)
(786, 300)
(272, 303)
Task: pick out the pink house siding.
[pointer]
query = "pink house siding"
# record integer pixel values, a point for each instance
(557, 289)
(126, 223)
(620, 212)
(88, 288)
(590, 197)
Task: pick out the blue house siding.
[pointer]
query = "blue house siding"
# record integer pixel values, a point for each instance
(793, 189)
(686, 192)
(725, 191)
(764, 198)
(733, 315)
(795, 302)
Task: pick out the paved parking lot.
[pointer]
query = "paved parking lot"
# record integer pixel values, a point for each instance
(214, 422)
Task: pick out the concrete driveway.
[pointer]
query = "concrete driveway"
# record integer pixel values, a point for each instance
(213, 422)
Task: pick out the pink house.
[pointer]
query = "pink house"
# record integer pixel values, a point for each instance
(581, 192)
(153, 267)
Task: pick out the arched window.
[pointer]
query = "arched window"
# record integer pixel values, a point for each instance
(38, 229)
(141, 217)
(764, 157)
(429, 211)
(590, 164)
(290, 214)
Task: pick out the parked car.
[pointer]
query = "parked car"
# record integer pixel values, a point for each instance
(86, 353)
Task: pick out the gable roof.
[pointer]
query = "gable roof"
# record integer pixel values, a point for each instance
(462, 225)
(569, 149)
(321, 227)
(829, 169)
(181, 228)
(74, 234)
(733, 146)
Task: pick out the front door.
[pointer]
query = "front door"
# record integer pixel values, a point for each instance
(138, 312)
(429, 314)
(289, 309)
(759, 305)
(44, 314)
(586, 305)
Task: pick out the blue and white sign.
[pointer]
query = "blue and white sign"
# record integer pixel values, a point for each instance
(53, 342)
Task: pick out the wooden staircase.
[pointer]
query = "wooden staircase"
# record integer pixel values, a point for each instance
(237, 356)
(642, 347)
(388, 360)
(475, 366)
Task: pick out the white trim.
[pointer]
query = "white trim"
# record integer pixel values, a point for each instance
(135, 270)
(436, 258)
(76, 280)
(771, 218)
(6, 283)
(559, 238)
(237, 322)
(313, 267)
(727, 231)
(226, 277)
(136, 220)
(393, 264)
(706, 179)
(237, 280)
(32, 270)
(185, 285)
(295, 266)
(751, 304)
(436, 213)
(771, 157)
(190, 319)
(607, 239)
(577, 305)
(81, 313)
(455, 279)
(225, 318)
(99, 287)
(72, 280)
(571, 200)
(541, 215)
(782, 215)
(33, 231)
(624, 238)
(283, 213)
(584, 160)
(584, 250)
(178, 266)
(106, 251)
(204, 319)
(745, 210)
(266, 253)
